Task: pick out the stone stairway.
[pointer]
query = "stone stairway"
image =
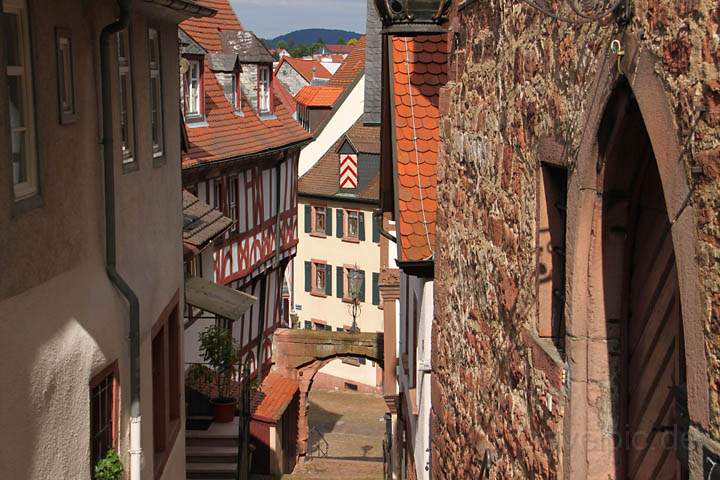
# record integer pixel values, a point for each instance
(212, 454)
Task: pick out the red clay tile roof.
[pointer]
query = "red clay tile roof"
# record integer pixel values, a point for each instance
(305, 68)
(324, 177)
(338, 48)
(275, 394)
(205, 30)
(419, 70)
(201, 223)
(284, 95)
(352, 67)
(228, 135)
(318, 96)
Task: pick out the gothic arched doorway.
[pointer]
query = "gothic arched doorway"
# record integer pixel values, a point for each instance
(642, 298)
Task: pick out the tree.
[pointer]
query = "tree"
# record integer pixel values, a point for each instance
(341, 41)
(320, 41)
(352, 41)
(282, 44)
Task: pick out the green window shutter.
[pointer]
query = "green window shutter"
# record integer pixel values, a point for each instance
(340, 280)
(362, 285)
(361, 227)
(339, 218)
(328, 221)
(308, 218)
(376, 288)
(328, 280)
(308, 276)
(376, 229)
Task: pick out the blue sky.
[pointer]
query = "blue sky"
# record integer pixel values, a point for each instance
(270, 18)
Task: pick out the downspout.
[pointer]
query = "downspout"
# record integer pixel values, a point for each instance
(108, 154)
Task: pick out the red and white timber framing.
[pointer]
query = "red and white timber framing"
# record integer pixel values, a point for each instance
(348, 170)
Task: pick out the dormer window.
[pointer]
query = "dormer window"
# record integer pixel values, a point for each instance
(264, 89)
(194, 99)
(236, 95)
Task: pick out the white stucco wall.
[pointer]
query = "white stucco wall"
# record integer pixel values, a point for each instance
(345, 117)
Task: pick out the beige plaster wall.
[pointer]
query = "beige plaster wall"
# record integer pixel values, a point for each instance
(331, 309)
(61, 321)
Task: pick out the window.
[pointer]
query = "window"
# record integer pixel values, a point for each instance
(103, 413)
(156, 96)
(320, 220)
(16, 36)
(236, 93)
(233, 209)
(193, 90)
(318, 278)
(166, 384)
(217, 194)
(354, 225)
(66, 79)
(308, 325)
(352, 222)
(552, 204)
(264, 89)
(127, 116)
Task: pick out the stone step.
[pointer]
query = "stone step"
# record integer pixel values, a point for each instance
(211, 454)
(211, 471)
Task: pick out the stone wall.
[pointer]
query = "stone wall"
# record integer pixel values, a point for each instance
(518, 77)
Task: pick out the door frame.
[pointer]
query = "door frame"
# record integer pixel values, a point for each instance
(587, 435)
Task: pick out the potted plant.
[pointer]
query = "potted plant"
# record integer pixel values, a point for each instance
(109, 467)
(220, 351)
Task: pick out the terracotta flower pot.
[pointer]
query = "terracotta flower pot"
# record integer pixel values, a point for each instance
(223, 410)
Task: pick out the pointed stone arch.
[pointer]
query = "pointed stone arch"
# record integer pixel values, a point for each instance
(591, 421)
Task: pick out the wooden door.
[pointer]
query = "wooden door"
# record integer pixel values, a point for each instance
(653, 340)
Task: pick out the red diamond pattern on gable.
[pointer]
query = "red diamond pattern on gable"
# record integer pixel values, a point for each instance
(348, 171)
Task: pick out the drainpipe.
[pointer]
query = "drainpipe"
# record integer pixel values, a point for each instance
(120, 24)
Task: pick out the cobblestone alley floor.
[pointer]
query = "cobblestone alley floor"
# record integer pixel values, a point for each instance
(353, 426)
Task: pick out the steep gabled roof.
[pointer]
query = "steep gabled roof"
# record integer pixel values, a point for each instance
(247, 46)
(419, 69)
(305, 68)
(339, 49)
(323, 178)
(318, 96)
(205, 31)
(352, 67)
(285, 96)
(228, 134)
(272, 399)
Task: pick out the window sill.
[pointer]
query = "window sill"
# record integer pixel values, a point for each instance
(351, 240)
(129, 167)
(318, 235)
(267, 116)
(27, 204)
(199, 123)
(318, 294)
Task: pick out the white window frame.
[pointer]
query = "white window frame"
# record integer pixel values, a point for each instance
(156, 94)
(317, 274)
(356, 215)
(194, 95)
(232, 201)
(28, 187)
(263, 89)
(318, 212)
(126, 97)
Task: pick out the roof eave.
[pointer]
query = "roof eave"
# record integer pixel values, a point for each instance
(191, 9)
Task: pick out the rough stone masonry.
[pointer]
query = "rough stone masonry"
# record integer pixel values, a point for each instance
(517, 78)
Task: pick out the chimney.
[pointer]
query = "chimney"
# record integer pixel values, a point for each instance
(373, 65)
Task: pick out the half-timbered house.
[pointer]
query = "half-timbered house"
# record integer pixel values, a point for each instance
(241, 159)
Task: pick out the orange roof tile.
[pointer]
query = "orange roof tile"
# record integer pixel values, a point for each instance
(305, 68)
(227, 134)
(419, 70)
(205, 30)
(318, 96)
(352, 67)
(275, 394)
